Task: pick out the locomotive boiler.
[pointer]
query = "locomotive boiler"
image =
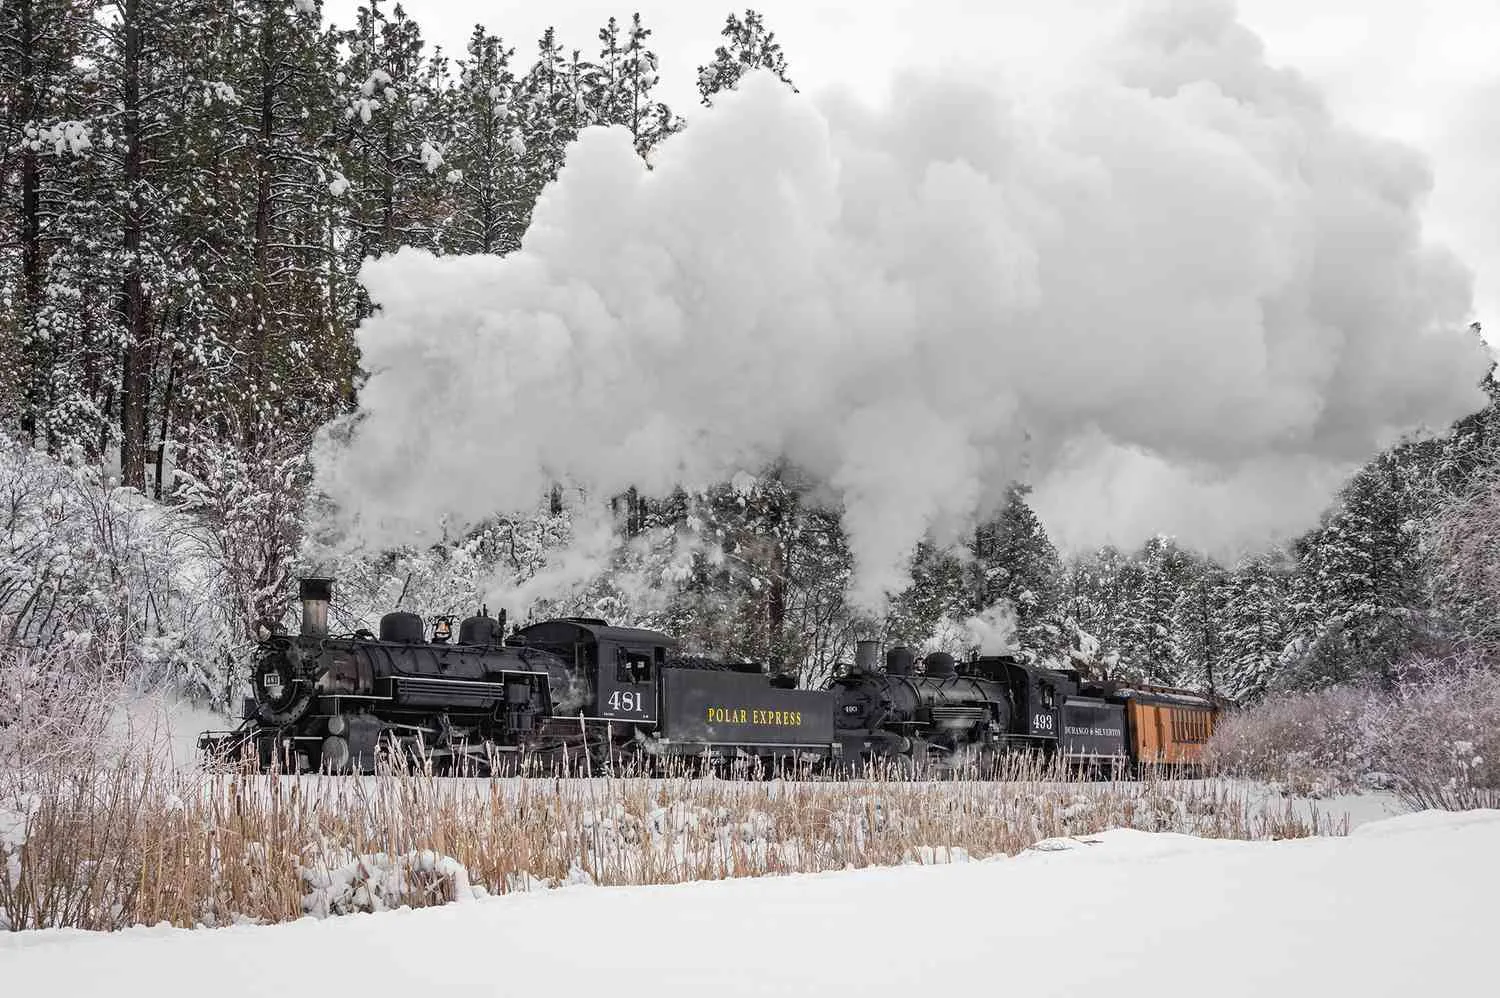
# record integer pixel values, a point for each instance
(952, 714)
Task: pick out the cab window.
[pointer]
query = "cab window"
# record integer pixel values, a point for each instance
(632, 666)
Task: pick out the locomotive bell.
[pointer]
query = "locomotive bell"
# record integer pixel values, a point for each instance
(315, 594)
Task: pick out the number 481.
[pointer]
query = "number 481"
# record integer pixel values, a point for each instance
(619, 700)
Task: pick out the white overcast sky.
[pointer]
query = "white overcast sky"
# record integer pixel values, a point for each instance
(1424, 71)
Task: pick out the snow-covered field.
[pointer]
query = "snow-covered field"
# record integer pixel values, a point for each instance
(1402, 906)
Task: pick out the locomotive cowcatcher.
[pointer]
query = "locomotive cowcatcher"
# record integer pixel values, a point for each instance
(575, 694)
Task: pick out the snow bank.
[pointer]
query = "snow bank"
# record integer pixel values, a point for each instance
(1404, 907)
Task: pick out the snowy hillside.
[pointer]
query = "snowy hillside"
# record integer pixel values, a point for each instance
(1401, 907)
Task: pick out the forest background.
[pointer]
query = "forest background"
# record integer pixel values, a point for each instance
(187, 193)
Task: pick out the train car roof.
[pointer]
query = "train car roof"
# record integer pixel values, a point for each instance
(593, 630)
(1180, 698)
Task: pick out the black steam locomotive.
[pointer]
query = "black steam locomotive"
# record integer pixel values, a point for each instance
(575, 694)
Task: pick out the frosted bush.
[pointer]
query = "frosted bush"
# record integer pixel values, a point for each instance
(1434, 738)
(1311, 742)
(1437, 738)
(99, 578)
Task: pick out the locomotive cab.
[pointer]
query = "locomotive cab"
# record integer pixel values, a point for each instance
(615, 671)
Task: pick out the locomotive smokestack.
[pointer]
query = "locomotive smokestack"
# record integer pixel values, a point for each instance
(315, 594)
(866, 656)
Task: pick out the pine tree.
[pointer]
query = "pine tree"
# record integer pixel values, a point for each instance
(545, 109)
(395, 122)
(1361, 601)
(279, 336)
(41, 46)
(632, 79)
(1256, 625)
(1150, 587)
(1014, 560)
(150, 99)
(940, 589)
(609, 98)
(490, 206)
(748, 45)
(1202, 634)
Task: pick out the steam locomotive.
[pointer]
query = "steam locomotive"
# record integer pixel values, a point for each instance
(574, 694)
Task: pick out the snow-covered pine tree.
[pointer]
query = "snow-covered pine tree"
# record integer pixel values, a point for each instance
(150, 98)
(748, 45)
(583, 85)
(41, 45)
(940, 589)
(393, 136)
(648, 119)
(1255, 625)
(1014, 560)
(1150, 585)
(1088, 632)
(490, 206)
(274, 347)
(1201, 626)
(1361, 603)
(547, 110)
(608, 98)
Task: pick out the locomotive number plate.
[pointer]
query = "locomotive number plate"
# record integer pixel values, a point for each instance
(626, 701)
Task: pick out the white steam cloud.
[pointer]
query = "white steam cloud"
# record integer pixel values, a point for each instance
(1173, 294)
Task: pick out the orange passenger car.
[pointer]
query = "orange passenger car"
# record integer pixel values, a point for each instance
(1168, 727)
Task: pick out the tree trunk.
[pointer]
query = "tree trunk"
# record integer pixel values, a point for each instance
(166, 407)
(34, 411)
(255, 373)
(135, 381)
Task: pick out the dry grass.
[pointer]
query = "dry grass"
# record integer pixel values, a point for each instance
(109, 846)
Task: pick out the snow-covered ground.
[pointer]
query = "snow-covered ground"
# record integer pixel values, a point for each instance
(1403, 906)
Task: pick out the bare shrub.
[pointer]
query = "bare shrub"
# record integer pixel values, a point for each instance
(1433, 737)
(55, 701)
(1312, 743)
(1437, 737)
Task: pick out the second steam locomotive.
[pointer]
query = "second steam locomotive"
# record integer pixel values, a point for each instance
(577, 693)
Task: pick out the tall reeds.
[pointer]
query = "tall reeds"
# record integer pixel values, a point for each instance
(132, 842)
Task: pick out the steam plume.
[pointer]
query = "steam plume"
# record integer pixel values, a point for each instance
(1174, 295)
